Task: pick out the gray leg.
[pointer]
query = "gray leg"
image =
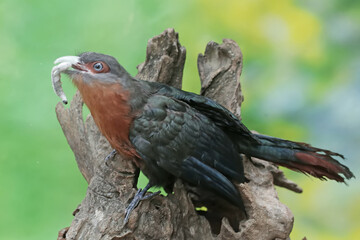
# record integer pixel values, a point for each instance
(139, 196)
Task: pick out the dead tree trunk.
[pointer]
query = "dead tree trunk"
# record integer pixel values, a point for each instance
(110, 189)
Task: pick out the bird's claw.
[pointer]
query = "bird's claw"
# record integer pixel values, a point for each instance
(110, 156)
(139, 196)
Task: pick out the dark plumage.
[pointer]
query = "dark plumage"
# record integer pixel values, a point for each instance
(170, 133)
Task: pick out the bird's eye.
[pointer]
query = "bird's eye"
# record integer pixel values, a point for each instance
(98, 66)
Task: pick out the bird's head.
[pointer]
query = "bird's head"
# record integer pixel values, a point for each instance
(93, 66)
(87, 68)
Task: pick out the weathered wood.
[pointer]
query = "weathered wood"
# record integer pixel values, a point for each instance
(101, 213)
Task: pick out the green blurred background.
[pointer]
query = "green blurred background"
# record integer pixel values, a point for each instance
(301, 81)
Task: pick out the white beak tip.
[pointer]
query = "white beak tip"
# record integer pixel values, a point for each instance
(70, 59)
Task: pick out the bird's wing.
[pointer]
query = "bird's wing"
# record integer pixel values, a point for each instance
(171, 136)
(221, 116)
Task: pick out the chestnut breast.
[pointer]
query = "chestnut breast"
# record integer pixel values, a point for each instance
(108, 104)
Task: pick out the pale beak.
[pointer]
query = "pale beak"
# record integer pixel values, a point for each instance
(69, 59)
(64, 63)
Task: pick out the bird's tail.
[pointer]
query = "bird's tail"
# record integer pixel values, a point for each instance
(298, 156)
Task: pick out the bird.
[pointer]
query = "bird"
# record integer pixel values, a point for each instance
(172, 134)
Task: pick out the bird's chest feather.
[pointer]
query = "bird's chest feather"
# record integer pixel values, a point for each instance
(108, 104)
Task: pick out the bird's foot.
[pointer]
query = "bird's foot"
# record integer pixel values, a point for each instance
(110, 156)
(139, 196)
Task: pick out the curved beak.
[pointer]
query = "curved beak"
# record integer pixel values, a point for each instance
(73, 60)
(63, 64)
(70, 59)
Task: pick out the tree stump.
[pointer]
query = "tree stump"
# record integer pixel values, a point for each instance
(111, 185)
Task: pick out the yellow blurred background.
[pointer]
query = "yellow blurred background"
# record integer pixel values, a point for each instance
(301, 81)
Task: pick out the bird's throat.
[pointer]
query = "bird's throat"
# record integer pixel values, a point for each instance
(109, 106)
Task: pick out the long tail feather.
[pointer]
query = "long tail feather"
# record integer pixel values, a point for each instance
(300, 157)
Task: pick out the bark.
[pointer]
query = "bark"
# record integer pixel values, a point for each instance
(110, 184)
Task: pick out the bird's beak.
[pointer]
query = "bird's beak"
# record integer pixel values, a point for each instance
(70, 59)
(63, 64)
(73, 60)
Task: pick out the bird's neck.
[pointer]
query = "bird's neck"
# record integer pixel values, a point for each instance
(110, 108)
